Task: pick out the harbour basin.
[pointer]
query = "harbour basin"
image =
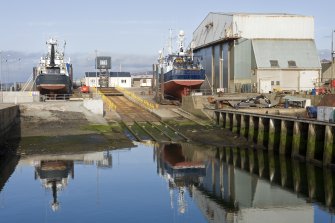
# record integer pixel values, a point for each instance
(161, 183)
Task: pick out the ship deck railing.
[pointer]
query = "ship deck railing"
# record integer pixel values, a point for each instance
(55, 97)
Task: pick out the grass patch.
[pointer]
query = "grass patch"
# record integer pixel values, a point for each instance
(181, 123)
(99, 128)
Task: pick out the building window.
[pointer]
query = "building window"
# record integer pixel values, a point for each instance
(277, 82)
(123, 81)
(292, 63)
(274, 63)
(103, 62)
(272, 83)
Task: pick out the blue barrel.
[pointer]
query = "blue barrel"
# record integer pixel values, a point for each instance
(313, 91)
(312, 111)
(286, 105)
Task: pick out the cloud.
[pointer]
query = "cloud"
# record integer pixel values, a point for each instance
(127, 62)
(18, 66)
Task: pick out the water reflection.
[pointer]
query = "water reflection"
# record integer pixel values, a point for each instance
(55, 171)
(220, 184)
(8, 163)
(180, 172)
(231, 184)
(54, 176)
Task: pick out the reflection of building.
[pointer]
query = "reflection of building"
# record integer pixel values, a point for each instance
(231, 194)
(230, 185)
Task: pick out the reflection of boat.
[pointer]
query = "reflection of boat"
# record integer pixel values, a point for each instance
(53, 75)
(179, 170)
(54, 175)
(182, 71)
(54, 171)
(174, 157)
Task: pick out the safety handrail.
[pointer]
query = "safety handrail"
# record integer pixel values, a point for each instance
(107, 100)
(138, 99)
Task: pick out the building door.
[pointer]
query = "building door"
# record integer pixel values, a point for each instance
(264, 86)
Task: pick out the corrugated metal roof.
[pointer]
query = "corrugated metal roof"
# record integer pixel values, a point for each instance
(221, 27)
(257, 14)
(120, 74)
(303, 52)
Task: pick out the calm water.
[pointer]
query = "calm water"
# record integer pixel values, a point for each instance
(164, 183)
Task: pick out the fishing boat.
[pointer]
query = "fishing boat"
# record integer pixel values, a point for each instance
(53, 75)
(182, 71)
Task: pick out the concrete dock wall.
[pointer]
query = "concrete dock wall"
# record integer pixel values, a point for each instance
(18, 97)
(306, 139)
(8, 118)
(96, 106)
(195, 105)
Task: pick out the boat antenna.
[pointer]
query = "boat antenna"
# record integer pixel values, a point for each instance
(192, 47)
(64, 48)
(170, 42)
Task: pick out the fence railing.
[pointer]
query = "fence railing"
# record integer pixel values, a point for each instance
(137, 99)
(55, 97)
(106, 100)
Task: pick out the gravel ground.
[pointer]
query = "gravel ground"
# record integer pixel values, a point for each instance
(56, 119)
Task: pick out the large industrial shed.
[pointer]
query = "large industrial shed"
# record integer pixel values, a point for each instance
(257, 52)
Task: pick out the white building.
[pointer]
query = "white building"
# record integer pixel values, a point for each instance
(116, 79)
(142, 80)
(258, 52)
(120, 79)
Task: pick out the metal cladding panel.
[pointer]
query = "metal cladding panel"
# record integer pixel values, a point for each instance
(307, 80)
(217, 62)
(289, 80)
(218, 26)
(303, 52)
(274, 26)
(214, 27)
(242, 59)
(206, 62)
(227, 68)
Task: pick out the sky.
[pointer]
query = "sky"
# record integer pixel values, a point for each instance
(131, 32)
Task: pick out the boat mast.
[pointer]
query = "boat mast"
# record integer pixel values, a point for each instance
(181, 38)
(52, 54)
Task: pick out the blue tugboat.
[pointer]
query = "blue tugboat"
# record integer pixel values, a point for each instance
(182, 71)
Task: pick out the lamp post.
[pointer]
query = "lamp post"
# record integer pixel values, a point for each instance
(0, 70)
(332, 62)
(96, 71)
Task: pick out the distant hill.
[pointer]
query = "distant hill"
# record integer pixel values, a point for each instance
(324, 54)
